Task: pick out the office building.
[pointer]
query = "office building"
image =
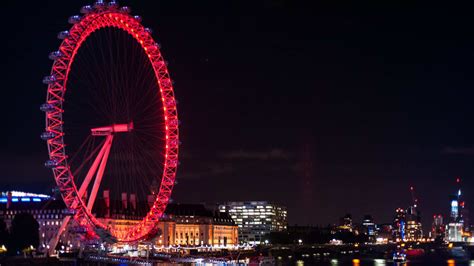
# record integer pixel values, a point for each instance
(255, 219)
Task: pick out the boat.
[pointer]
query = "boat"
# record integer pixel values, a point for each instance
(399, 256)
(415, 252)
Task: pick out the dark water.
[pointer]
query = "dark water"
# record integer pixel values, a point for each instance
(376, 262)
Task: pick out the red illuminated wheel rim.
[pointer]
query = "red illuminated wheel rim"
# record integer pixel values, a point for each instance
(95, 19)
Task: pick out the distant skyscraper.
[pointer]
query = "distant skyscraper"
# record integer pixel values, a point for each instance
(457, 229)
(437, 228)
(256, 219)
(414, 231)
(399, 225)
(369, 228)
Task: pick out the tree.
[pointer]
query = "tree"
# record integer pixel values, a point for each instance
(24, 233)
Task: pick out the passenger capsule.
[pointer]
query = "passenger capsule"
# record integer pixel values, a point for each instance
(63, 35)
(51, 163)
(113, 4)
(74, 19)
(86, 9)
(69, 211)
(47, 135)
(55, 55)
(150, 31)
(78, 229)
(49, 79)
(47, 107)
(100, 4)
(126, 9)
(138, 18)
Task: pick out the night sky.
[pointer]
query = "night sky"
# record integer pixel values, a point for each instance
(328, 109)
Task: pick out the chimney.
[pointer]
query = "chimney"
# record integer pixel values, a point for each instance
(133, 201)
(124, 200)
(106, 194)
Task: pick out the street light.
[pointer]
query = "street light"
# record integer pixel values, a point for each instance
(300, 241)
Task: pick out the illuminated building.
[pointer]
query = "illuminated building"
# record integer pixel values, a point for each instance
(256, 219)
(457, 230)
(454, 232)
(399, 225)
(384, 233)
(345, 224)
(47, 211)
(369, 228)
(195, 225)
(438, 227)
(183, 224)
(413, 230)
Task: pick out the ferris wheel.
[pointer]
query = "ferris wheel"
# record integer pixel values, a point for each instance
(111, 118)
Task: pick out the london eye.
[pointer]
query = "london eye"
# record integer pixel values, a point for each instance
(111, 119)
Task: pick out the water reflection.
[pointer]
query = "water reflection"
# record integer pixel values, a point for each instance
(379, 262)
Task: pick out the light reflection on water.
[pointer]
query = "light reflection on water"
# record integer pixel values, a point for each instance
(382, 262)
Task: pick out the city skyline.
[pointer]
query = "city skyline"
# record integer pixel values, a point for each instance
(314, 107)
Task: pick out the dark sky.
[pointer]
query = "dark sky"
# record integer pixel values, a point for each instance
(327, 109)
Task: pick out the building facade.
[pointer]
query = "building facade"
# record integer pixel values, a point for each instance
(48, 212)
(438, 228)
(369, 228)
(255, 219)
(414, 230)
(195, 225)
(458, 229)
(182, 225)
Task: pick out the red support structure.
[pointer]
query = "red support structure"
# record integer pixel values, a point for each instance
(98, 19)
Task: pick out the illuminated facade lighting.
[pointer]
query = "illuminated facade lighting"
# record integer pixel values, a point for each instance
(256, 219)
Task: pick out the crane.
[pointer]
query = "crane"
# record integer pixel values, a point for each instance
(413, 197)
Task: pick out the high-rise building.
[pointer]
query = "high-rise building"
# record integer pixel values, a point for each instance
(399, 225)
(438, 227)
(457, 230)
(345, 223)
(413, 230)
(256, 219)
(369, 228)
